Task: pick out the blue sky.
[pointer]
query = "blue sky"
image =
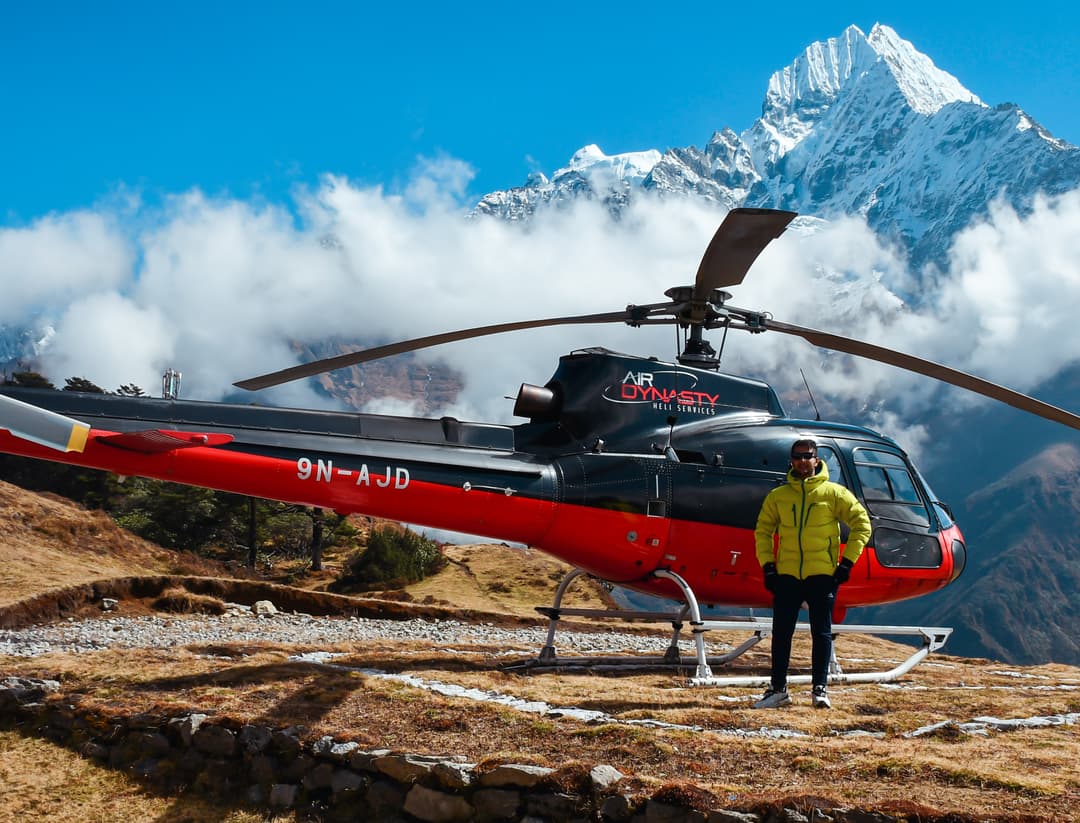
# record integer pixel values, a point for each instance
(249, 99)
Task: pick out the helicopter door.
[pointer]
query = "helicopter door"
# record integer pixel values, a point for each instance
(619, 513)
(711, 543)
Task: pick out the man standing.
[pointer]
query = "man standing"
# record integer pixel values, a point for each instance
(806, 564)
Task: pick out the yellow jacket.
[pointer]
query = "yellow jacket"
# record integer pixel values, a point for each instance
(807, 514)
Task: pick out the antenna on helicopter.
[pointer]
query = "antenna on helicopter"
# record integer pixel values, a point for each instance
(170, 384)
(813, 402)
(668, 450)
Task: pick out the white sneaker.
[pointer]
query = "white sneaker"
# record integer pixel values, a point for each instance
(820, 698)
(773, 699)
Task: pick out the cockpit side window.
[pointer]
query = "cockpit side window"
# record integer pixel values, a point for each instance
(827, 456)
(889, 488)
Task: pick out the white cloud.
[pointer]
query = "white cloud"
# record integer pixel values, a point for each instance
(110, 340)
(219, 286)
(1015, 289)
(57, 258)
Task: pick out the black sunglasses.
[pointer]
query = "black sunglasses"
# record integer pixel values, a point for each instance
(803, 455)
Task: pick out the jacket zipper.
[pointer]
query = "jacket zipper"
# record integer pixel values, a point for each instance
(802, 516)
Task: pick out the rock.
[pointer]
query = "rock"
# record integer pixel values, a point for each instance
(26, 689)
(215, 740)
(454, 775)
(437, 807)
(94, 751)
(515, 774)
(346, 780)
(283, 795)
(255, 739)
(496, 804)
(727, 816)
(262, 770)
(286, 742)
(556, 806)
(264, 608)
(187, 726)
(385, 799)
(402, 767)
(604, 776)
(320, 777)
(296, 768)
(657, 812)
(616, 807)
(341, 752)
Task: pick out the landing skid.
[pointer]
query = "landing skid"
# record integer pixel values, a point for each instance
(548, 660)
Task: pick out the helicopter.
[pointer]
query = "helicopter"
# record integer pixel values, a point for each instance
(642, 473)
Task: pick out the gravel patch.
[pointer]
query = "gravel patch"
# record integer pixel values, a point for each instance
(165, 631)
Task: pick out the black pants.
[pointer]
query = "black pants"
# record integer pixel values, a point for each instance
(819, 593)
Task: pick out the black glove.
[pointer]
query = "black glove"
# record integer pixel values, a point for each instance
(770, 576)
(843, 571)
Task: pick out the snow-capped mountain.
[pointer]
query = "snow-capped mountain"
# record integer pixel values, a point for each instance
(857, 124)
(19, 345)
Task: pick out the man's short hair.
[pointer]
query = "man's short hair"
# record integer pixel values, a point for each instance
(805, 445)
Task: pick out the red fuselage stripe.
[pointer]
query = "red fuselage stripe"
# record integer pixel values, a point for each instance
(623, 547)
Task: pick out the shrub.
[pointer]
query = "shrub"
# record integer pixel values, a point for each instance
(393, 558)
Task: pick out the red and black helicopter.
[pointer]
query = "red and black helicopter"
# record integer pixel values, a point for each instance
(643, 473)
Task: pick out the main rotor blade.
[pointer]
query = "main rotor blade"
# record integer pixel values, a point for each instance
(734, 248)
(930, 369)
(41, 426)
(353, 358)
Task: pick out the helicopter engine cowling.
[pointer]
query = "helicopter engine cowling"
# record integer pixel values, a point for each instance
(600, 399)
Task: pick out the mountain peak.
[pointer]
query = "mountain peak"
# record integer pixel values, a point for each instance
(926, 87)
(803, 90)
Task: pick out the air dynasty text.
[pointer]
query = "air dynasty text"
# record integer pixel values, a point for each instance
(324, 471)
(638, 386)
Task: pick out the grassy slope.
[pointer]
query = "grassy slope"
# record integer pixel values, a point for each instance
(48, 542)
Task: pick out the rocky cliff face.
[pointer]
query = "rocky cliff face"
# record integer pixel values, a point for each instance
(418, 388)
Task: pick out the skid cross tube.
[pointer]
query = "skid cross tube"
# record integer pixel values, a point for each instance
(933, 639)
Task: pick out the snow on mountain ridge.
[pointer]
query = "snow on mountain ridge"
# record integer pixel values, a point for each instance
(630, 166)
(926, 87)
(800, 95)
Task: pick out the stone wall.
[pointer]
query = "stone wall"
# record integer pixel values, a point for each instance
(280, 769)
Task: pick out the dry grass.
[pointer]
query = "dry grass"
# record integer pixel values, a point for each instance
(49, 542)
(503, 579)
(40, 782)
(714, 748)
(1004, 775)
